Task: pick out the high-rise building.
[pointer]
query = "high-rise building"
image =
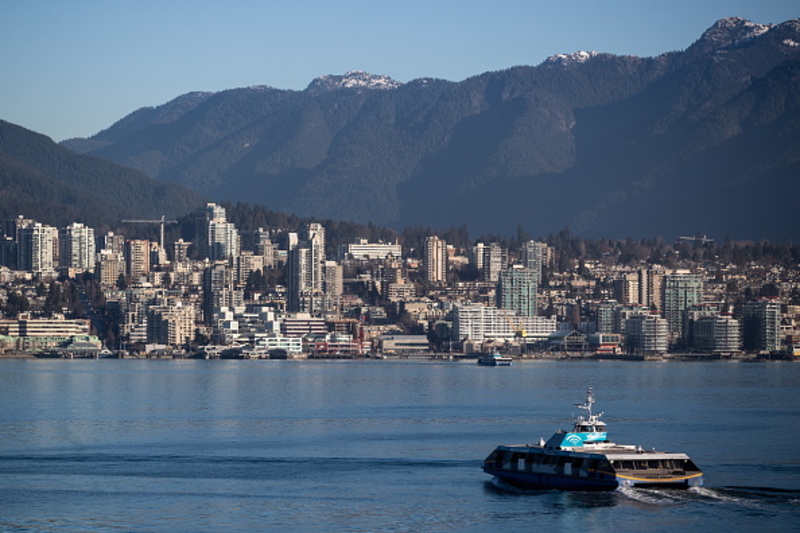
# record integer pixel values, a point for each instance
(681, 290)
(334, 278)
(13, 226)
(435, 259)
(216, 238)
(626, 288)
(605, 317)
(315, 237)
(137, 258)
(533, 255)
(517, 289)
(495, 259)
(77, 247)
(36, 247)
(219, 290)
(109, 266)
(761, 326)
(649, 286)
(180, 250)
(305, 269)
(114, 243)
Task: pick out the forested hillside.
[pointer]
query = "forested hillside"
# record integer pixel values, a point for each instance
(607, 145)
(44, 181)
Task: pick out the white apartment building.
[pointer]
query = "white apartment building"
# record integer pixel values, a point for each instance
(481, 323)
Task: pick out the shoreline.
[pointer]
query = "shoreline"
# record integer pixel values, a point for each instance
(678, 357)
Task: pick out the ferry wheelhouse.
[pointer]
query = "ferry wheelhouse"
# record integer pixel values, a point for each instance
(584, 459)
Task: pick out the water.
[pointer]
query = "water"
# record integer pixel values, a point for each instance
(134, 445)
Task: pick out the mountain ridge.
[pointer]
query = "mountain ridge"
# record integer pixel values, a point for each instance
(366, 148)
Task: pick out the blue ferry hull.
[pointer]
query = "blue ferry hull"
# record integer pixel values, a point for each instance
(532, 481)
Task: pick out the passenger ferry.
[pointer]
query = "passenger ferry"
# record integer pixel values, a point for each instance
(494, 359)
(584, 459)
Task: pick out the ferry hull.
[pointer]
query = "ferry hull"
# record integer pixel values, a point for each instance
(536, 481)
(533, 481)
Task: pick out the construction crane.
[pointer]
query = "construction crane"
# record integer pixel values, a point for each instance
(162, 222)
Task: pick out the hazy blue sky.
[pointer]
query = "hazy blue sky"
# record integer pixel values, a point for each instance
(73, 67)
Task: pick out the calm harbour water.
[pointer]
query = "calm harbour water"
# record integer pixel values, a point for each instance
(191, 445)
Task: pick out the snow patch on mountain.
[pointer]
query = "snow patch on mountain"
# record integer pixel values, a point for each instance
(571, 59)
(355, 79)
(732, 31)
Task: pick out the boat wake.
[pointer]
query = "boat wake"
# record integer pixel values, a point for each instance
(753, 497)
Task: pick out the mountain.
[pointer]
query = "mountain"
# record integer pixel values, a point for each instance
(701, 140)
(44, 181)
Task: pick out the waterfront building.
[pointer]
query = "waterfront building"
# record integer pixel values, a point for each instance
(647, 335)
(172, 324)
(435, 259)
(28, 334)
(303, 324)
(517, 290)
(717, 334)
(692, 314)
(402, 345)
(480, 323)
(761, 326)
(681, 290)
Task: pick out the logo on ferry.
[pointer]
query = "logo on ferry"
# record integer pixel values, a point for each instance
(574, 439)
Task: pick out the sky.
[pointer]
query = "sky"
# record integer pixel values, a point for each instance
(73, 68)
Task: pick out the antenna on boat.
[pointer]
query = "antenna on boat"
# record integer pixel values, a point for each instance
(587, 406)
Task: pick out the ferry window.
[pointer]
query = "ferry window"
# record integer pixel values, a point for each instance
(627, 465)
(654, 464)
(601, 428)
